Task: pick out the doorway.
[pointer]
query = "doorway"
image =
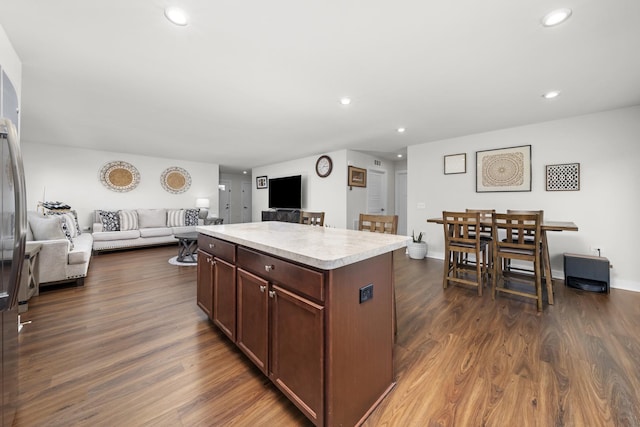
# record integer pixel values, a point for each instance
(401, 201)
(245, 201)
(224, 194)
(377, 192)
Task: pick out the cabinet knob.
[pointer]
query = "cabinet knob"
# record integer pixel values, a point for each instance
(272, 294)
(263, 288)
(269, 267)
(211, 246)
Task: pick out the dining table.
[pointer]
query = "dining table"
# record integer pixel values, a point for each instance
(545, 226)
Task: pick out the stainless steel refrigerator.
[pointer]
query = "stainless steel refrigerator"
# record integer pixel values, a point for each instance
(12, 238)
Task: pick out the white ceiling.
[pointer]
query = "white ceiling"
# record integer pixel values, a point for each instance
(249, 83)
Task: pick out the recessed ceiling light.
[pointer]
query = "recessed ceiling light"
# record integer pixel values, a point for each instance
(176, 15)
(556, 17)
(399, 156)
(551, 94)
(401, 130)
(345, 100)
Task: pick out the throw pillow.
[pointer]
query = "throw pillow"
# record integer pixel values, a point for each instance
(67, 234)
(175, 218)
(50, 228)
(128, 220)
(71, 220)
(46, 228)
(191, 216)
(152, 218)
(110, 220)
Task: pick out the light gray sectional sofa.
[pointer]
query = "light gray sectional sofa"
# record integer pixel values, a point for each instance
(141, 227)
(65, 252)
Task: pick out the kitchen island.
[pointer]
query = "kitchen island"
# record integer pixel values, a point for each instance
(312, 307)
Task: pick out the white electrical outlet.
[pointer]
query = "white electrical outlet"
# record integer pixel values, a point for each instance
(421, 205)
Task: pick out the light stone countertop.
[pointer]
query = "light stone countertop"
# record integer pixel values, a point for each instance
(321, 247)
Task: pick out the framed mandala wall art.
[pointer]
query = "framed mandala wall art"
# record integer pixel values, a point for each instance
(503, 169)
(119, 176)
(564, 177)
(175, 180)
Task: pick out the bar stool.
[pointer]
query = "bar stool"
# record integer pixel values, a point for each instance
(461, 238)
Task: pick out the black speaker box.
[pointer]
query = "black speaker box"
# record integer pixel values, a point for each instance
(588, 273)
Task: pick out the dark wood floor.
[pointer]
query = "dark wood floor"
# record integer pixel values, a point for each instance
(131, 348)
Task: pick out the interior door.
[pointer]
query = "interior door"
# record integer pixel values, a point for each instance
(377, 192)
(401, 201)
(224, 190)
(245, 201)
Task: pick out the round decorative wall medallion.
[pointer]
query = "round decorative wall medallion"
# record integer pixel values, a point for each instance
(119, 176)
(175, 180)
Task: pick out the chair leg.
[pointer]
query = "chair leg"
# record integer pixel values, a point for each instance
(538, 285)
(494, 276)
(479, 277)
(546, 262)
(447, 267)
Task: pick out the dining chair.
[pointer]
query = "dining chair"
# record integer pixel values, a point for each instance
(378, 223)
(382, 224)
(486, 232)
(546, 261)
(461, 238)
(522, 243)
(312, 218)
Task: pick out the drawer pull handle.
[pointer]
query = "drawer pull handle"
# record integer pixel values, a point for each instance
(272, 294)
(211, 246)
(269, 267)
(263, 288)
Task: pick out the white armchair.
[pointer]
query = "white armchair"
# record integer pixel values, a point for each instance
(61, 258)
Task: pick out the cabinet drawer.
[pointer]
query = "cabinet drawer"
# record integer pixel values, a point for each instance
(217, 247)
(294, 277)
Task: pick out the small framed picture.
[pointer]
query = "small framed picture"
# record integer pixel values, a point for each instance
(455, 163)
(262, 182)
(565, 177)
(357, 177)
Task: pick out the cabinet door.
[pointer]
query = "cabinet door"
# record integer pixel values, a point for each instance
(253, 322)
(224, 297)
(297, 351)
(204, 291)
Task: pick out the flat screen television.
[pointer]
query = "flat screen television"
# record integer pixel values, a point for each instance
(285, 192)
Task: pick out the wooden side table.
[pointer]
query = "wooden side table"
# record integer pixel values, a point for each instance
(30, 280)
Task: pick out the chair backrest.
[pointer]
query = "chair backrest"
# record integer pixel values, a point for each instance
(378, 223)
(522, 227)
(312, 218)
(460, 228)
(526, 212)
(486, 217)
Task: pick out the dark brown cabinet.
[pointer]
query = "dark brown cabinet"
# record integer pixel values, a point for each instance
(224, 296)
(307, 329)
(297, 349)
(204, 290)
(216, 288)
(283, 333)
(253, 320)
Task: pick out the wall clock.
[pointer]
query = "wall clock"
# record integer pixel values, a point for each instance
(324, 165)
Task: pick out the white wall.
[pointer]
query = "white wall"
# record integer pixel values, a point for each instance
(318, 194)
(607, 146)
(10, 62)
(71, 175)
